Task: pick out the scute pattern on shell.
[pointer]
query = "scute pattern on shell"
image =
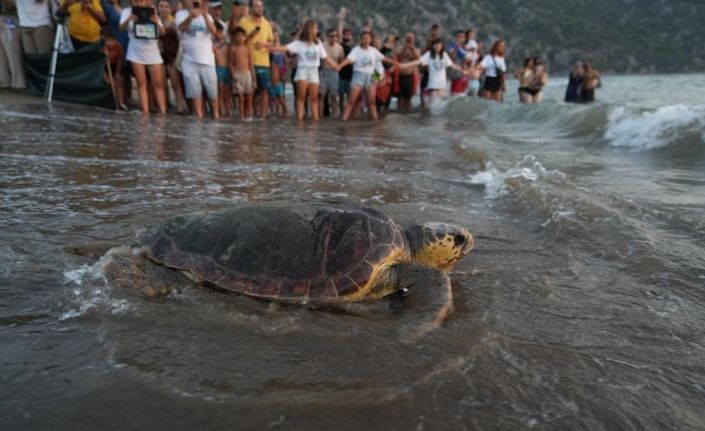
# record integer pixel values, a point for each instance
(294, 253)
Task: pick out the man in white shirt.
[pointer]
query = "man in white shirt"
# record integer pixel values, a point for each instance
(36, 24)
(196, 28)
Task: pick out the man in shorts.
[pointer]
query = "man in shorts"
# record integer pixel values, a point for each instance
(346, 73)
(260, 37)
(330, 78)
(196, 27)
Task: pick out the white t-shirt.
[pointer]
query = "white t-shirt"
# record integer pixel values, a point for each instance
(196, 41)
(364, 59)
(437, 78)
(33, 13)
(309, 54)
(141, 51)
(471, 50)
(491, 64)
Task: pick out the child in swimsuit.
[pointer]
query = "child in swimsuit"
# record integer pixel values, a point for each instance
(474, 75)
(276, 91)
(242, 71)
(222, 60)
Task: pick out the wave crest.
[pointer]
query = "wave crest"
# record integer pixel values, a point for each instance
(648, 130)
(498, 183)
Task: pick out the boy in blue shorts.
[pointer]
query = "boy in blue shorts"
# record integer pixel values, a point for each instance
(222, 70)
(276, 91)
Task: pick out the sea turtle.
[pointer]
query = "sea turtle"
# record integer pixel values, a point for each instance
(314, 254)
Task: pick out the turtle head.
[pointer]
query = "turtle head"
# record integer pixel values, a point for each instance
(439, 245)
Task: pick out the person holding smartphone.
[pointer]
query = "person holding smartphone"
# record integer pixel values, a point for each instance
(143, 51)
(197, 28)
(260, 37)
(85, 19)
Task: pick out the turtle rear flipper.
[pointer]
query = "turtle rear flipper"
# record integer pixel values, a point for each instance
(428, 299)
(129, 268)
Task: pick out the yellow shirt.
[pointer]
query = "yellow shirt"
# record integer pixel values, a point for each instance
(82, 25)
(260, 57)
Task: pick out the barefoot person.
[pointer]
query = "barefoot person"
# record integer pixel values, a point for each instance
(144, 56)
(539, 79)
(438, 63)
(330, 78)
(494, 67)
(363, 58)
(243, 73)
(260, 37)
(524, 76)
(198, 65)
(221, 50)
(407, 76)
(169, 48)
(310, 52)
(591, 80)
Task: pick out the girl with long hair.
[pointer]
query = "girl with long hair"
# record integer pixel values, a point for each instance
(495, 68)
(438, 62)
(363, 58)
(309, 51)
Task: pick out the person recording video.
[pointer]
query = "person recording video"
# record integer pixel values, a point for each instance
(197, 27)
(85, 18)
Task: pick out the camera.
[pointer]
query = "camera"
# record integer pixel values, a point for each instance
(196, 4)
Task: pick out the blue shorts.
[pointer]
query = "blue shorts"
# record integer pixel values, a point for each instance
(264, 79)
(277, 90)
(343, 87)
(224, 75)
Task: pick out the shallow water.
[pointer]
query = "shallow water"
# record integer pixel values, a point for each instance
(582, 306)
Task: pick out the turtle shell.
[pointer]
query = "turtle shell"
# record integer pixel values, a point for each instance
(294, 253)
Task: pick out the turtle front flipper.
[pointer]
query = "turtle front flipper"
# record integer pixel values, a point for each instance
(428, 299)
(129, 268)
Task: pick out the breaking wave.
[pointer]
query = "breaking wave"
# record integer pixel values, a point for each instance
(628, 127)
(647, 130)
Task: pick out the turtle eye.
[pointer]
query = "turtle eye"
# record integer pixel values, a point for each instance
(459, 240)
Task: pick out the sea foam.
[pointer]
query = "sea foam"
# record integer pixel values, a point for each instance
(648, 130)
(498, 183)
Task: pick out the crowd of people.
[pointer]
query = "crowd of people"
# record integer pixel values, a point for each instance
(183, 51)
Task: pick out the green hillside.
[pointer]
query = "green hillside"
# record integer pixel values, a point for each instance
(625, 36)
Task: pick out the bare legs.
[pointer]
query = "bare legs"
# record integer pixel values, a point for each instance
(175, 79)
(353, 99)
(156, 74)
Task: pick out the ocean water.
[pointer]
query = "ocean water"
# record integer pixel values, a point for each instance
(582, 306)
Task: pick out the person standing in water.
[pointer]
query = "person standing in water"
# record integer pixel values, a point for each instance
(260, 37)
(309, 51)
(243, 72)
(524, 76)
(494, 67)
(408, 76)
(363, 58)
(435, 34)
(575, 82)
(591, 80)
(438, 63)
(330, 78)
(539, 79)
